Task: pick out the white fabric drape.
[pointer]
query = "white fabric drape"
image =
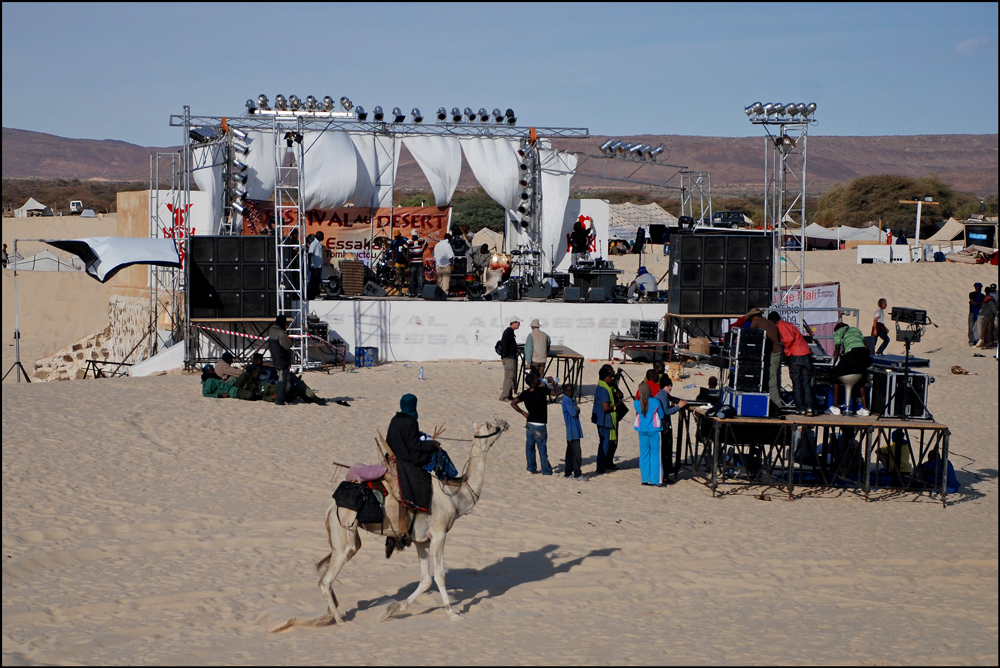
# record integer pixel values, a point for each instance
(206, 170)
(329, 169)
(260, 162)
(494, 162)
(377, 161)
(440, 158)
(555, 194)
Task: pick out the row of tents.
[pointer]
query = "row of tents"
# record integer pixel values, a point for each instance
(35, 208)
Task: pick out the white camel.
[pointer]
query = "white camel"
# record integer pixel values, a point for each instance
(429, 530)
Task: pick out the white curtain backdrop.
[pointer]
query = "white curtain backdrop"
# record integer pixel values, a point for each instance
(260, 160)
(494, 163)
(441, 160)
(555, 194)
(375, 154)
(329, 169)
(206, 170)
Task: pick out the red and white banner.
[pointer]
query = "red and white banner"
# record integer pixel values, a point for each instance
(817, 296)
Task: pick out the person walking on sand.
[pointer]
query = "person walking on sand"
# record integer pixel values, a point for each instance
(536, 400)
(879, 330)
(574, 433)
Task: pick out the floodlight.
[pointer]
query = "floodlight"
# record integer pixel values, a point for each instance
(456, 115)
(310, 103)
(280, 104)
(471, 115)
(238, 208)
(524, 166)
(787, 142)
(511, 118)
(294, 102)
(606, 145)
(779, 109)
(397, 115)
(497, 116)
(810, 110)
(378, 114)
(327, 103)
(792, 109)
(635, 148)
(238, 177)
(525, 179)
(657, 151)
(757, 107)
(346, 103)
(251, 107)
(240, 147)
(362, 114)
(417, 116)
(442, 114)
(262, 102)
(242, 167)
(202, 135)
(625, 147)
(748, 110)
(484, 116)
(615, 146)
(240, 194)
(526, 193)
(239, 134)
(768, 109)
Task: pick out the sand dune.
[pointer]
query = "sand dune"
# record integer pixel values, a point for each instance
(145, 524)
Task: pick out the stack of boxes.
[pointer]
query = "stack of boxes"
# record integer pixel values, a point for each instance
(744, 390)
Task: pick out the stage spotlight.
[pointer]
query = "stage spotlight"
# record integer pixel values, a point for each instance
(240, 166)
(526, 193)
(657, 151)
(523, 150)
(787, 142)
(757, 107)
(238, 177)
(280, 103)
(362, 114)
(469, 114)
(606, 145)
(240, 194)
(624, 147)
(346, 104)
(511, 118)
(748, 110)
(397, 115)
(238, 208)
(615, 146)
(524, 166)
(292, 136)
(239, 134)
(497, 116)
(524, 207)
(377, 114)
(456, 115)
(310, 103)
(525, 179)
(779, 109)
(241, 148)
(327, 103)
(810, 110)
(646, 149)
(442, 114)
(202, 135)
(417, 116)
(262, 102)
(768, 109)
(792, 109)
(294, 103)
(484, 116)
(634, 149)
(251, 107)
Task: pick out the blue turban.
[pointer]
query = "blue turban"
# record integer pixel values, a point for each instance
(408, 405)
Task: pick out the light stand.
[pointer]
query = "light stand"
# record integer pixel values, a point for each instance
(916, 321)
(17, 333)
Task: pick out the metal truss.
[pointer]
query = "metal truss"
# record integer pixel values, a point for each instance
(165, 283)
(696, 184)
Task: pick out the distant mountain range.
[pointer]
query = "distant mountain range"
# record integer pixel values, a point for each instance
(967, 163)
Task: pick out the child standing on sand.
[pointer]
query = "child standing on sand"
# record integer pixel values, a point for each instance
(574, 432)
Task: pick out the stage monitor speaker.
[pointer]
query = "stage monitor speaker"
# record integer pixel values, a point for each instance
(720, 272)
(500, 294)
(433, 293)
(373, 289)
(571, 293)
(540, 291)
(597, 295)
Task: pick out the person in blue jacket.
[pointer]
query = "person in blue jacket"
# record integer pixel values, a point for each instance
(649, 417)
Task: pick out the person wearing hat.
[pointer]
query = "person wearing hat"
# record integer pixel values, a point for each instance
(975, 303)
(280, 345)
(507, 348)
(400, 256)
(536, 348)
(416, 247)
(416, 456)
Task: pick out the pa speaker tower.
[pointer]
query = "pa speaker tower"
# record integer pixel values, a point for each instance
(720, 273)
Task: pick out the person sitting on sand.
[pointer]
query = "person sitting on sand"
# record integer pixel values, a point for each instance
(225, 369)
(297, 389)
(213, 386)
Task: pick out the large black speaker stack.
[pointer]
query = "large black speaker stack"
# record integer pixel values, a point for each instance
(746, 359)
(720, 272)
(232, 277)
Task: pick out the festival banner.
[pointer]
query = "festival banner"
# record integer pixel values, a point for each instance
(349, 231)
(820, 295)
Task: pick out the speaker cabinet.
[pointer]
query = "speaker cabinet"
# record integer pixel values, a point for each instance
(501, 294)
(571, 293)
(720, 272)
(597, 295)
(540, 291)
(373, 289)
(232, 277)
(433, 293)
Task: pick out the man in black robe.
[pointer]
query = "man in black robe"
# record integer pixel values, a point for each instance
(416, 455)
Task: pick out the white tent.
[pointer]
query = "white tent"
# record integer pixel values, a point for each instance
(951, 230)
(625, 219)
(106, 256)
(830, 237)
(32, 207)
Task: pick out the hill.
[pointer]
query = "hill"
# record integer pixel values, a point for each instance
(967, 163)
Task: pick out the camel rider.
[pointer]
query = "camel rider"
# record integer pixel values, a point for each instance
(416, 456)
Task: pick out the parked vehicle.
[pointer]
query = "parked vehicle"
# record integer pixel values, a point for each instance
(734, 220)
(75, 207)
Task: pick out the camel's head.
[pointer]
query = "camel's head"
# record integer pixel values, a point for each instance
(487, 433)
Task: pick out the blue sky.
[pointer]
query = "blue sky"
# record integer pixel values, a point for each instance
(117, 71)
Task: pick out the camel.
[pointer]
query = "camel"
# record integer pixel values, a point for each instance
(428, 533)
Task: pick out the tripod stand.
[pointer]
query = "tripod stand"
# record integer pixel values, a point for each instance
(17, 333)
(908, 336)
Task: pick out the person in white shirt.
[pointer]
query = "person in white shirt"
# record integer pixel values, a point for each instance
(879, 330)
(444, 258)
(315, 264)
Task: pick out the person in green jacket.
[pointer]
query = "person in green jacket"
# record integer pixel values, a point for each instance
(215, 387)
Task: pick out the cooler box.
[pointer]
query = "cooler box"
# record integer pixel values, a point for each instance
(747, 404)
(365, 356)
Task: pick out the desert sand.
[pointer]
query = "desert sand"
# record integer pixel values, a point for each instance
(144, 524)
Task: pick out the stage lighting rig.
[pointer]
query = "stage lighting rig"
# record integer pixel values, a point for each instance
(778, 113)
(202, 135)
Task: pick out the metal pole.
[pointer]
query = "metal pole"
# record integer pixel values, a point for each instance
(920, 205)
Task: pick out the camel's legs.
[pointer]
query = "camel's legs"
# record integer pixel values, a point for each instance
(344, 544)
(437, 564)
(422, 586)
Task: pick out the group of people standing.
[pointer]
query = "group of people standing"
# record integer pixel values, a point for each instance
(983, 316)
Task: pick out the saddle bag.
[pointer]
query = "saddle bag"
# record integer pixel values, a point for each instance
(366, 502)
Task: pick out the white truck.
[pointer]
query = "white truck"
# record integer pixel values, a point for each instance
(75, 207)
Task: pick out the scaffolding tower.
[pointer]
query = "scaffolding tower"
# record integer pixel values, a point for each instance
(289, 233)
